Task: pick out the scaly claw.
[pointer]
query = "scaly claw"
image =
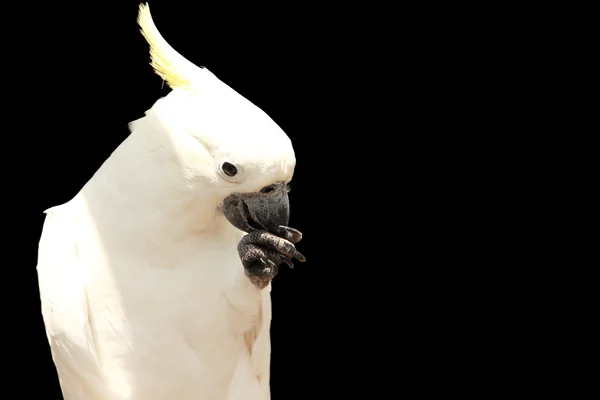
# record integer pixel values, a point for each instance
(270, 266)
(271, 241)
(291, 234)
(299, 256)
(289, 262)
(261, 253)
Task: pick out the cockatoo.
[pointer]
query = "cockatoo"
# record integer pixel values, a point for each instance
(155, 278)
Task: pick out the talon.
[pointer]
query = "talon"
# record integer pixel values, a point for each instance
(299, 256)
(289, 262)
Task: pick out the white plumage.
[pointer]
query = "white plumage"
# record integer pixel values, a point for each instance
(143, 293)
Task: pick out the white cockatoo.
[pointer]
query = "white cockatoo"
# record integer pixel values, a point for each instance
(155, 278)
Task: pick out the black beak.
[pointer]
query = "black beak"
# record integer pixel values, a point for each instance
(267, 209)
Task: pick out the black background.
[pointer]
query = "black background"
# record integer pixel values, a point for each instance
(384, 105)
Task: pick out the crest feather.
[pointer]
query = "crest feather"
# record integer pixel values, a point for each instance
(171, 66)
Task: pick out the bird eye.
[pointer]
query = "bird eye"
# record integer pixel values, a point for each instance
(229, 169)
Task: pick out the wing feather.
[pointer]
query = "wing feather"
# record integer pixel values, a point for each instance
(258, 342)
(65, 308)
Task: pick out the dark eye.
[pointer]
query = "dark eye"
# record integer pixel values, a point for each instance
(229, 169)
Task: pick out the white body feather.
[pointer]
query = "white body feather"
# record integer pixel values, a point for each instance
(143, 293)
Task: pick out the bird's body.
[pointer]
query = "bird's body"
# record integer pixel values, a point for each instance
(113, 280)
(143, 293)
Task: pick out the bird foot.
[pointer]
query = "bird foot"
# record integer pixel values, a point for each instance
(262, 252)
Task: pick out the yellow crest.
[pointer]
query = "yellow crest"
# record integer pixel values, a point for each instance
(171, 66)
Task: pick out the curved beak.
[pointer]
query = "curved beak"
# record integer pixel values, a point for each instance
(267, 209)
